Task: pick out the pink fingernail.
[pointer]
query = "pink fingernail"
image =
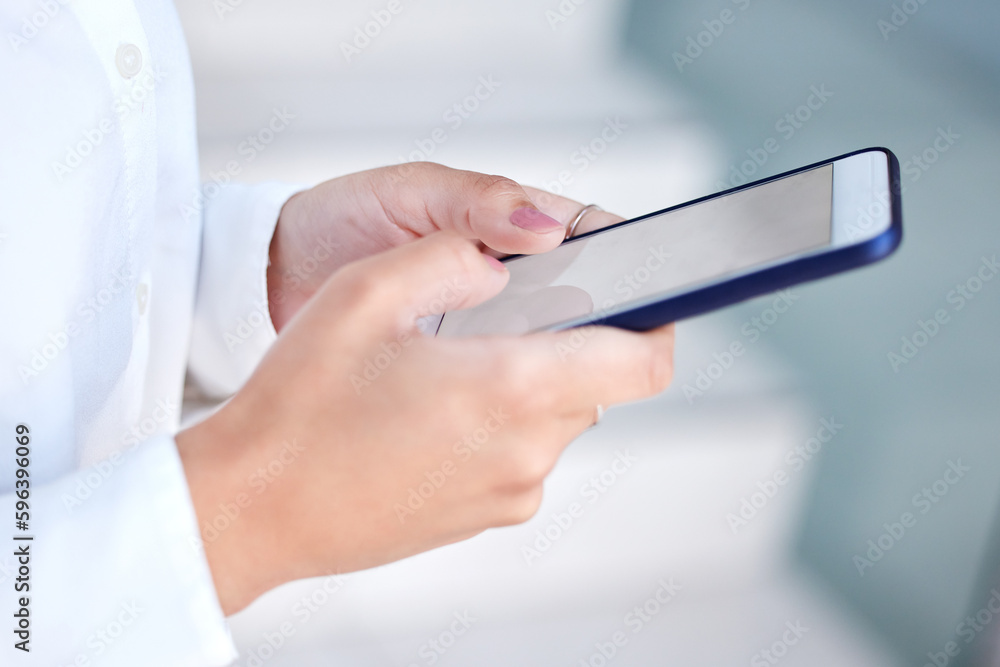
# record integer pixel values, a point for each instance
(495, 263)
(534, 221)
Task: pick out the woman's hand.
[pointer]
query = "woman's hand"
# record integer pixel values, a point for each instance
(358, 441)
(363, 214)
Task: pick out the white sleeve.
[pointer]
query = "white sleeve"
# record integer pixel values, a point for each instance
(232, 327)
(115, 562)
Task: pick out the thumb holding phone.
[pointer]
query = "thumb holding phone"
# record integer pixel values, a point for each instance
(362, 411)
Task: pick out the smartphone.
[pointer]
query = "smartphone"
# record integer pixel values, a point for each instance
(686, 260)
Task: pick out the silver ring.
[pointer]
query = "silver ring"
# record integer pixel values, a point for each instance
(571, 229)
(599, 412)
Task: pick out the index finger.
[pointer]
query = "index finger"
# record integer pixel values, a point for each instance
(597, 365)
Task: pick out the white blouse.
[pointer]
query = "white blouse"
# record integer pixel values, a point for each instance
(118, 274)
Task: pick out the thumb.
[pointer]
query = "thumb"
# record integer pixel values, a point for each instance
(493, 209)
(430, 276)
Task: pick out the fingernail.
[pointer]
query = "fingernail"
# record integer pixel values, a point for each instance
(495, 263)
(534, 221)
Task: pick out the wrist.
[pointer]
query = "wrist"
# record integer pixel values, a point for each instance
(240, 556)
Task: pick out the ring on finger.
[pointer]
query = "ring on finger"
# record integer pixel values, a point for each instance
(598, 413)
(571, 228)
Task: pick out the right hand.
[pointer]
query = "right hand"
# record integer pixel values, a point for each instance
(335, 504)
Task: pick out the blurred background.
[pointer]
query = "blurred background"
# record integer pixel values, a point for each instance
(688, 551)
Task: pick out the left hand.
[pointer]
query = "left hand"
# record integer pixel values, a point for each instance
(358, 215)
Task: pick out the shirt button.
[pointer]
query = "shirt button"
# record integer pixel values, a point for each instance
(142, 297)
(129, 60)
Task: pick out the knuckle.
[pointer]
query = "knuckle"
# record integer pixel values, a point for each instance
(532, 467)
(492, 186)
(660, 368)
(457, 252)
(461, 251)
(522, 507)
(422, 168)
(515, 378)
(522, 467)
(359, 288)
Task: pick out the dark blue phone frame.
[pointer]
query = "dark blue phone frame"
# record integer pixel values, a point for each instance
(766, 280)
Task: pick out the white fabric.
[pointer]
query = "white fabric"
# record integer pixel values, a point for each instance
(116, 275)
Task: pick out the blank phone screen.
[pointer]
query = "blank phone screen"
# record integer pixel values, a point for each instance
(656, 257)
